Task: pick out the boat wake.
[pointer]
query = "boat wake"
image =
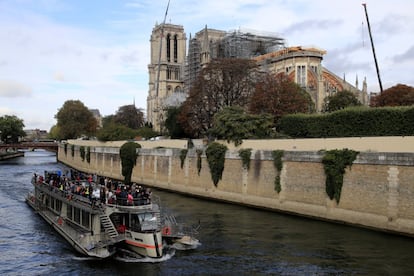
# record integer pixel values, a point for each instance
(180, 246)
(131, 257)
(77, 258)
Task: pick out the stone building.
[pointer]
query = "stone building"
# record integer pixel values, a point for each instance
(303, 65)
(174, 70)
(166, 71)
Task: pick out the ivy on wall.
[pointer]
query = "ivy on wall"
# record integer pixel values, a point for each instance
(65, 148)
(183, 155)
(245, 155)
(88, 154)
(335, 162)
(215, 153)
(199, 153)
(278, 163)
(82, 152)
(128, 154)
(72, 147)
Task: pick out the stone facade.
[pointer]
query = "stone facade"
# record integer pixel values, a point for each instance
(166, 70)
(378, 191)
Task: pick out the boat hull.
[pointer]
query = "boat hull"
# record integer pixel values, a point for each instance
(145, 244)
(80, 241)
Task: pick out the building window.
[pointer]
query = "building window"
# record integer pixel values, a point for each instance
(301, 75)
(175, 49)
(168, 47)
(176, 74)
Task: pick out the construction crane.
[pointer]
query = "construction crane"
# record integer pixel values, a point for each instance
(372, 46)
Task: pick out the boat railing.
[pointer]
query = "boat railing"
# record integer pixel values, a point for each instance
(136, 203)
(175, 229)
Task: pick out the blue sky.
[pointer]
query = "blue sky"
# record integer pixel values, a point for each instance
(97, 51)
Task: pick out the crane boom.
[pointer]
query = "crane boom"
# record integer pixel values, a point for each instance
(373, 48)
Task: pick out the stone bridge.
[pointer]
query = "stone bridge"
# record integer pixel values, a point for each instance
(49, 146)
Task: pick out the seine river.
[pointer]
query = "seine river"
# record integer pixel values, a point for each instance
(234, 240)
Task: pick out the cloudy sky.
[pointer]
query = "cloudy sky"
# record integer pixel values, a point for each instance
(97, 51)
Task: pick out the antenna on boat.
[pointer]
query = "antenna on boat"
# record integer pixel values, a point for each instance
(160, 51)
(372, 46)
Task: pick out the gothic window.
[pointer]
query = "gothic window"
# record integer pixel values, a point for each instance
(168, 47)
(175, 48)
(176, 74)
(178, 89)
(301, 75)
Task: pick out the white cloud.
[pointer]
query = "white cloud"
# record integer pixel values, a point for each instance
(14, 89)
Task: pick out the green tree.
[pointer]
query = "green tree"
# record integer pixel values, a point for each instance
(115, 132)
(108, 120)
(278, 95)
(398, 95)
(130, 116)
(234, 124)
(147, 132)
(11, 129)
(340, 100)
(74, 120)
(128, 155)
(54, 132)
(173, 126)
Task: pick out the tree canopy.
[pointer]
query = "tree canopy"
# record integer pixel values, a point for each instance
(340, 100)
(277, 95)
(398, 95)
(128, 155)
(115, 132)
(11, 129)
(173, 126)
(234, 124)
(130, 116)
(223, 82)
(74, 120)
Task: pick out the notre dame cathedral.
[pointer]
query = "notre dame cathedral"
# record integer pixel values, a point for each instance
(172, 69)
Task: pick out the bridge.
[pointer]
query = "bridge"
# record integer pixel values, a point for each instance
(49, 146)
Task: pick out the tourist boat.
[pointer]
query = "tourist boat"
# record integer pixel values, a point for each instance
(95, 229)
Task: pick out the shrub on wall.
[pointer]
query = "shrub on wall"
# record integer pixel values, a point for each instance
(335, 162)
(351, 122)
(128, 155)
(183, 154)
(199, 152)
(245, 155)
(278, 163)
(215, 153)
(88, 154)
(82, 152)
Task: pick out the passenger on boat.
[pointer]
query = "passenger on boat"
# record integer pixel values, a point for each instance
(130, 199)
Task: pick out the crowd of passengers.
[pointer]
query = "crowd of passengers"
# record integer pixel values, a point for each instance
(97, 189)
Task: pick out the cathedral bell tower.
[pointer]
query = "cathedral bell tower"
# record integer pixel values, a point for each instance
(166, 70)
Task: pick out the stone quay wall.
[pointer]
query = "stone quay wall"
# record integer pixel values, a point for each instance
(377, 193)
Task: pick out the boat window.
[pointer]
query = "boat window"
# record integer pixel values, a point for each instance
(135, 223)
(58, 205)
(148, 221)
(85, 219)
(76, 215)
(69, 212)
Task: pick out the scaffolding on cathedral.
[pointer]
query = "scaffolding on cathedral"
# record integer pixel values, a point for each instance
(243, 43)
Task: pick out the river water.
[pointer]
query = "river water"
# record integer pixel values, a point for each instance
(235, 240)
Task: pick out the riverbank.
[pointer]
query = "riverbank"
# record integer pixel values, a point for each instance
(10, 155)
(377, 190)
